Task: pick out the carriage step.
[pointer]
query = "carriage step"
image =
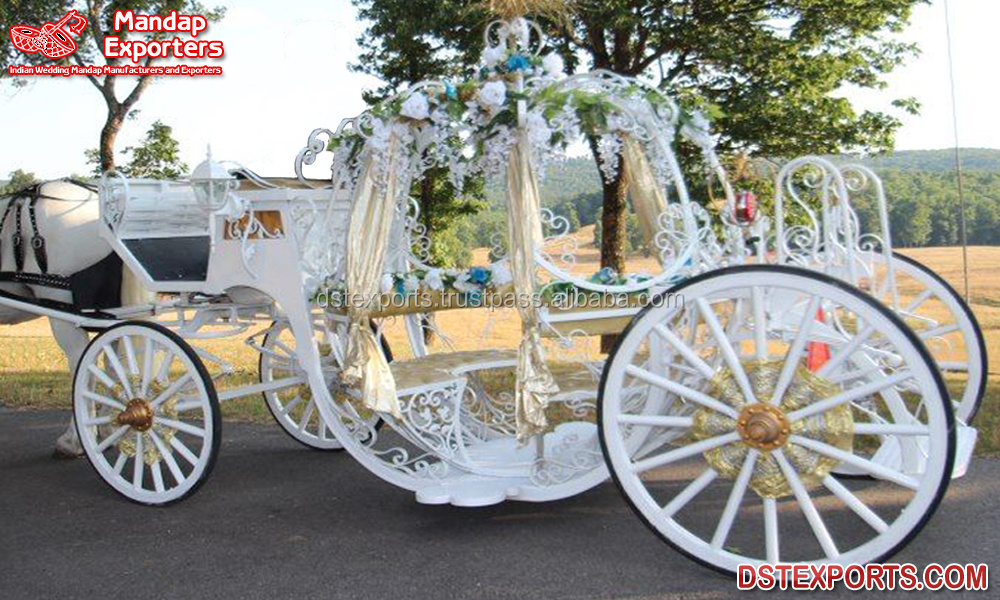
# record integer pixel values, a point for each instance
(469, 492)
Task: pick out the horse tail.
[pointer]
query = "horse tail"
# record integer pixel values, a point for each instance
(133, 293)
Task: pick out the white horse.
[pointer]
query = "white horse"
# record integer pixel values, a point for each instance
(67, 218)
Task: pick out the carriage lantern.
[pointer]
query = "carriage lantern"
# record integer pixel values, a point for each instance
(212, 183)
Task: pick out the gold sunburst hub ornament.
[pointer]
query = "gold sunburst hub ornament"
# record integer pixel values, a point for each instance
(766, 428)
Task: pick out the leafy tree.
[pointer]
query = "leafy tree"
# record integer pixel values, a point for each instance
(398, 55)
(19, 180)
(100, 16)
(772, 68)
(157, 157)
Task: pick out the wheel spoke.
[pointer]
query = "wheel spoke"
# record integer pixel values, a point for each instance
(846, 351)
(686, 351)
(918, 301)
(684, 452)
(798, 346)
(726, 347)
(187, 405)
(806, 504)
(109, 402)
(116, 365)
(111, 439)
(137, 462)
(119, 463)
(157, 477)
(147, 365)
(101, 376)
(133, 364)
(759, 323)
(890, 429)
(864, 464)
(168, 457)
(183, 450)
(181, 426)
(850, 395)
(855, 504)
(688, 493)
(306, 415)
(681, 390)
(171, 391)
(290, 406)
(97, 421)
(938, 331)
(771, 542)
(734, 501)
(957, 367)
(164, 370)
(656, 421)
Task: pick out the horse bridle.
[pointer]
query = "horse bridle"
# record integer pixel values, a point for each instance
(30, 196)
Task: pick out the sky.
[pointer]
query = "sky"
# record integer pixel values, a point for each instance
(285, 74)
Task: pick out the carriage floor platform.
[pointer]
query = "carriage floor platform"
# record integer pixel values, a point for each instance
(279, 521)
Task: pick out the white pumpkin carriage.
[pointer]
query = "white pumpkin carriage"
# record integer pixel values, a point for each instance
(699, 400)
(713, 386)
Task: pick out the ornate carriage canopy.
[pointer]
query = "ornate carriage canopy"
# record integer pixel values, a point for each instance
(515, 117)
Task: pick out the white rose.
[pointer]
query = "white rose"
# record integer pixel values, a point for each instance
(493, 55)
(493, 94)
(433, 280)
(462, 284)
(388, 283)
(380, 134)
(411, 284)
(501, 274)
(553, 64)
(416, 107)
(539, 131)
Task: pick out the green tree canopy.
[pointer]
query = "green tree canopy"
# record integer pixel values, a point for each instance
(156, 157)
(772, 68)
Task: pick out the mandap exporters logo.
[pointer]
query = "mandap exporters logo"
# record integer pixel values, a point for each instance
(49, 39)
(53, 40)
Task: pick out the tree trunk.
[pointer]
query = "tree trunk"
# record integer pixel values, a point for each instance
(613, 223)
(109, 133)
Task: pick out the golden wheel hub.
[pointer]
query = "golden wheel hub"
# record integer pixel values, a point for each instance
(763, 426)
(138, 414)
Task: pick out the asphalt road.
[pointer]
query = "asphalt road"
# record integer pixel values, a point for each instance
(276, 521)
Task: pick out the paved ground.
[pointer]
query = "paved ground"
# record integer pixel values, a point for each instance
(279, 521)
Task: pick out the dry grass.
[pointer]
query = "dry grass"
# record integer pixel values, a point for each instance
(33, 370)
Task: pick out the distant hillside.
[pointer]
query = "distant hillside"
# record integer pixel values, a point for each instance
(574, 177)
(973, 159)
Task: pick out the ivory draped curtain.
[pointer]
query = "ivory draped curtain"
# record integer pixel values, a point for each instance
(535, 384)
(647, 197)
(368, 237)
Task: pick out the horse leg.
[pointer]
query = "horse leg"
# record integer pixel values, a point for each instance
(73, 342)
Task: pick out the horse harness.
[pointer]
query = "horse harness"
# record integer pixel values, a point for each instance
(17, 201)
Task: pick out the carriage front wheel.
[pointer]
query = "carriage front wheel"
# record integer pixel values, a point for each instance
(725, 411)
(147, 413)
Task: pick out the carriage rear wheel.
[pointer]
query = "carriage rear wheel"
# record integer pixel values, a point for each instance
(294, 408)
(147, 413)
(946, 324)
(724, 416)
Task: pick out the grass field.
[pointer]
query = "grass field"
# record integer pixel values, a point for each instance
(33, 372)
